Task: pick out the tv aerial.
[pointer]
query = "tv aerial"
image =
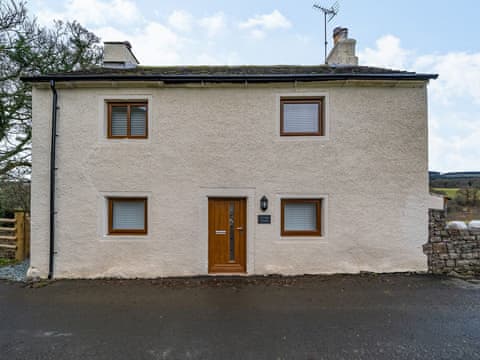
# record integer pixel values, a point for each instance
(329, 12)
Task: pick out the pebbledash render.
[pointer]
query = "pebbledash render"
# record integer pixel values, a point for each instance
(196, 170)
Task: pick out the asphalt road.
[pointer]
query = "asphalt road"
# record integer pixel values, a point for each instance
(326, 317)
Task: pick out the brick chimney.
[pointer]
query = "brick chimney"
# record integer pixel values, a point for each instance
(119, 55)
(343, 52)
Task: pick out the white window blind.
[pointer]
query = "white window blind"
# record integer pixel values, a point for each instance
(300, 118)
(300, 216)
(128, 215)
(119, 121)
(138, 120)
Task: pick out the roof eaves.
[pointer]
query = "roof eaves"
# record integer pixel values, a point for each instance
(182, 78)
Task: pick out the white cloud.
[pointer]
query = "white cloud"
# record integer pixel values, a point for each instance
(458, 151)
(153, 44)
(388, 53)
(205, 58)
(93, 12)
(181, 20)
(454, 122)
(214, 24)
(258, 25)
(459, 75)
(274, 20)
(257, 34)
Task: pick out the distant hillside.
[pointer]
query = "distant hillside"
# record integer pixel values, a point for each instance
(455, 179)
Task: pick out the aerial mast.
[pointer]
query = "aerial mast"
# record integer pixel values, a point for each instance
(330, 12)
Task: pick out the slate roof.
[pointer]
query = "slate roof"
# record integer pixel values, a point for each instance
(258, 73)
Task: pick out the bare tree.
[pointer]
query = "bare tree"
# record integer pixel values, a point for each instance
(29, 49)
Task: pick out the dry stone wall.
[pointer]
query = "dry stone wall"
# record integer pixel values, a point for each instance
(451, 251)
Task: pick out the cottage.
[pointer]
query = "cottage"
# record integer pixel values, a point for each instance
(196, 170)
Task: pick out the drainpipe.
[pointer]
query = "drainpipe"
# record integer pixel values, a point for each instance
(52, 178)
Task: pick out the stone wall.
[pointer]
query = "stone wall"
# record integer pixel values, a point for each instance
(451, 251)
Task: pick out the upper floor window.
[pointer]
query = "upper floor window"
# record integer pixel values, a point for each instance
(128, 120)
(301, 116)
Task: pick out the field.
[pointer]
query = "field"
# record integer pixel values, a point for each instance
(456, 211)
(450, 192)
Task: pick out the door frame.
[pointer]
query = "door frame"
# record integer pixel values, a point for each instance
(234, 267)
(225, 192)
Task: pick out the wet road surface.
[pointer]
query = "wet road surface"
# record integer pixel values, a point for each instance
(317, 317)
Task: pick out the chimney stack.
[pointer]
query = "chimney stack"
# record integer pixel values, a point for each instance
(343, 52)
(118, 55)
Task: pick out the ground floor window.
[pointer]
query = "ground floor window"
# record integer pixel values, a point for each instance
(127, 216)
(301, 217)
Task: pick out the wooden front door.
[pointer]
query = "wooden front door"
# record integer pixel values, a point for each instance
(227, 248)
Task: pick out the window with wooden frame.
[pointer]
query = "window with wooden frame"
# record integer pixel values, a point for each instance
(127, 216)
(301, 217)
(301, 116)
(127, 120)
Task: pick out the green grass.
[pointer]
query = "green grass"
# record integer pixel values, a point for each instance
(5, 262)
(450, 192)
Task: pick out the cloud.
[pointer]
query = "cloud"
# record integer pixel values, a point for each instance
(93, 12)
(459, 75)
(258, 25)
(388, 53)
(257, 34)
(458, 151)
(454, 121)
(153, 44)
(274, 20)
(181, 20)
(214, 24)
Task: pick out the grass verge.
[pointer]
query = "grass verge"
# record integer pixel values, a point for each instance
(6, 262)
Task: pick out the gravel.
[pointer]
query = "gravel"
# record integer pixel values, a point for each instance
(17, 272)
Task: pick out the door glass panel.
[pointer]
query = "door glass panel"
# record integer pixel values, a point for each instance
(231, 212)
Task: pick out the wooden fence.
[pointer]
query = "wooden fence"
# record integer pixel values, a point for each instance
(15, 236)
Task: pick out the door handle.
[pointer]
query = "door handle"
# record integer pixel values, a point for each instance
(239, 228)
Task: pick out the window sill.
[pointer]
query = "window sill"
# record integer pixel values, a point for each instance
(322, 138)
(125, 238)
(302, 239)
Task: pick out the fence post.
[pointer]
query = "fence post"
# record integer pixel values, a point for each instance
(27, 234)
(20, 233)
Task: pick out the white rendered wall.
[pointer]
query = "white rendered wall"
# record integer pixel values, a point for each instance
(371, 169)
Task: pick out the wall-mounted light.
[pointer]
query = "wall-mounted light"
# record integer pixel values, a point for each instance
(264, 203)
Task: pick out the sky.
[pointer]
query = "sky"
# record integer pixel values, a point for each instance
(430, 36)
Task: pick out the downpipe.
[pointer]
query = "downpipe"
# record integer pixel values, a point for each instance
(52, 179)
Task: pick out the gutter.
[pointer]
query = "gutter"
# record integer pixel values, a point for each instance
(52, 178)
(179, 78)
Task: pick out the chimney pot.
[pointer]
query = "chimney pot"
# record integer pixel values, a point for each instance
(339, 33)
